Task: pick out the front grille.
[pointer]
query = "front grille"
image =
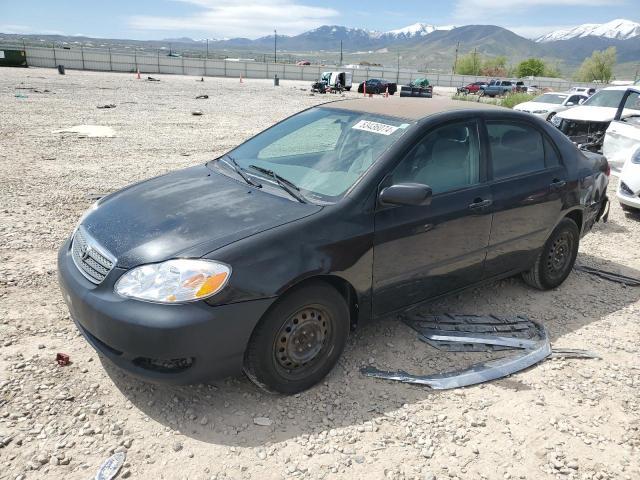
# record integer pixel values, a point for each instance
(92, 260)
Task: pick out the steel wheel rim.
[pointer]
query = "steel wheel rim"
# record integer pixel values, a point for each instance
(302, 340)
(560, 254)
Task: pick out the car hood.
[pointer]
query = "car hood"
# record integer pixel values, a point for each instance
(533, 106)
(187, 213)
(589, 113)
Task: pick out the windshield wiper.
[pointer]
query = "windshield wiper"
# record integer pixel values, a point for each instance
(287, 185)
(240, 171)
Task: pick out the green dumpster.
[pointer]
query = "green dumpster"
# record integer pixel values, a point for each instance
(13, 58)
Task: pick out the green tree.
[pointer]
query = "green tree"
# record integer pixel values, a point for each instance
(495, 67)
(598, 67)
(532, 67)
(469, 64)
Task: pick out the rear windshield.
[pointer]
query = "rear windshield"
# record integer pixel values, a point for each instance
(550, 98)
(323, 151)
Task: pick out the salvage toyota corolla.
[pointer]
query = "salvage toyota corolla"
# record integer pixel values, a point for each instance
(263, 260)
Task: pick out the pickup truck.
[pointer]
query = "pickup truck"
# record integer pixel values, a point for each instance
(497, 87)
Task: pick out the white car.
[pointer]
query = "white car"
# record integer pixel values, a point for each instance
(622, 148)
(547, 105)
(587, 124)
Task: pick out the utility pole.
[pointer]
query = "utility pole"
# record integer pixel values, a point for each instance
(455, 62)
(340, 53)
(475, 57)
(207, 48)
(398, 74)
(275, 46)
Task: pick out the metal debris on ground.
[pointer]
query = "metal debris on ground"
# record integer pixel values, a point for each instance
(108, 105)
(111, 466)
(202, 96)
(84, 131)
(474, 333)
(62, 359)
(151, 79)
(196, 112)
(573, 353)
(611, 276)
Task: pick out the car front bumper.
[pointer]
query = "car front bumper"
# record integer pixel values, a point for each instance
(632, 201)
(175, 344)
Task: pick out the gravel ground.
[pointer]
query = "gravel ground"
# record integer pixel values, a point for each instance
(575, 419)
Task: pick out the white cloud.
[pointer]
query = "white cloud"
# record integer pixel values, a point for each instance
(485, 10)
(253, 18)
(7, 28)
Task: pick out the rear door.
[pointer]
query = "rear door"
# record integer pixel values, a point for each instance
(528, 182)
(424, 251)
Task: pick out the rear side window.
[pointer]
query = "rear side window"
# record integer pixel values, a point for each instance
(516, 149)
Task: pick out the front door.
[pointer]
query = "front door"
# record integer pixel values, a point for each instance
(421, 252)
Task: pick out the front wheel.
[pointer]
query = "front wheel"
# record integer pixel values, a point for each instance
(551, 115)
(299, 340)
(556, 260)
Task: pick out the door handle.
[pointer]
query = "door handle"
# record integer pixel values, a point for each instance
(480, 204)
(557, 184)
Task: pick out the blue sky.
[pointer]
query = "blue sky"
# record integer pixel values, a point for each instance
(157, 19)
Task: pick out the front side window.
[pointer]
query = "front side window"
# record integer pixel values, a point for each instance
(632, 102)
(447, 158)
(516, 149)
(323, 151)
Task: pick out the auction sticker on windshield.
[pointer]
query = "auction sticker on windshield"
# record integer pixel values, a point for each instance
(375, 127)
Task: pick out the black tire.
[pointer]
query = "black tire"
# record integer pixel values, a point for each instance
(555, 261)
(348, 89)
(551, 115)
(314, 314)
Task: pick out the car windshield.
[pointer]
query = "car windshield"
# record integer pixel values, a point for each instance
(550, 98)
(322, 151)
(605, 98)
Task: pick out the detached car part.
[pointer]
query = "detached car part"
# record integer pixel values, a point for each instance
(473, 333)
(611, 276)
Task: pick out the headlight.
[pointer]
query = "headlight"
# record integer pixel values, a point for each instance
(540, 111)
(635, 158)
(174, 281)
(556, 121)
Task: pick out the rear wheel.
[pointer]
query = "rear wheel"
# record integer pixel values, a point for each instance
(555, 261)
(299, 340)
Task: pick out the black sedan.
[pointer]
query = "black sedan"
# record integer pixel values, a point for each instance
(377, 86)
(263, 260)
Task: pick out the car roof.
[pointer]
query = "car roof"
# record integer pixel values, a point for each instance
(407, 107)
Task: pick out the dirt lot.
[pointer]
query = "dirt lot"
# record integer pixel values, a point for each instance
(576, 419)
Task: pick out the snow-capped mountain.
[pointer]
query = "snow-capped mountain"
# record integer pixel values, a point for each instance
(619, 29)
(415, 30)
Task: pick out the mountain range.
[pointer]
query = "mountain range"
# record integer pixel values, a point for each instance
(421, 45)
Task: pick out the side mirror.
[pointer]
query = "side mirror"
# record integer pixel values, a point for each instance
(406, 194)
(569, 104)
